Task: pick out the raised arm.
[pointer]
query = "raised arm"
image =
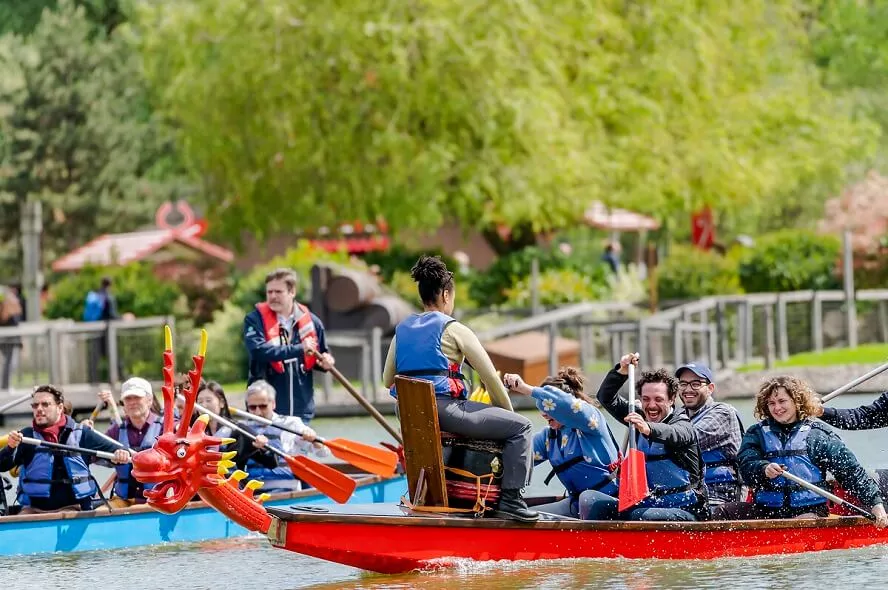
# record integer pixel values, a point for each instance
(875, 415)
(567, 409)
(609, 397)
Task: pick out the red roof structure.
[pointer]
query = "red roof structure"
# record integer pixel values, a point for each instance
(129, 247)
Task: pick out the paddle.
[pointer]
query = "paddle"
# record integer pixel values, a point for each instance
(326, 479)
(42, 443)
(855, 383)
(115, 411)
(821, 492)
(3, 440)
(382, 462)
(14, 402)
(98, 410)
(633, 472)
(366, 404)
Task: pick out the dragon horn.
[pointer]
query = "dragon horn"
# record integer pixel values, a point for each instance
(169, 396)
(190, 392)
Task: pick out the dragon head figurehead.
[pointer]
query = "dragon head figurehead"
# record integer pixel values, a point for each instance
(186, 460)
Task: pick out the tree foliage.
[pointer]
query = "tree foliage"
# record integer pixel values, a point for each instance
(22, 16)
(518, 112)
(76, 131)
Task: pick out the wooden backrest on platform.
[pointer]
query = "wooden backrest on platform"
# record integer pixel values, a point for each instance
(422, 439)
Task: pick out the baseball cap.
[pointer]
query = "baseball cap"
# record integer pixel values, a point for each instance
(136, 386)
(698, 369)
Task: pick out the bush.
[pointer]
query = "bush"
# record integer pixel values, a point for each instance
(135, 287)
(791, 260)
(557, 287)
(493, 286)
(226, 353)
(250, 289)
(690, 273)
(399, 259)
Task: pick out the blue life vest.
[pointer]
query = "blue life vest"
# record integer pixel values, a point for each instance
(279, 478)
(574, 471)
(418, 354)
(121, 486)
(718, 468)
(35, 478)
(780, 492)
(670, 485)
(94, 306)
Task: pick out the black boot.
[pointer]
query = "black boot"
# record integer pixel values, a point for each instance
(513, 507)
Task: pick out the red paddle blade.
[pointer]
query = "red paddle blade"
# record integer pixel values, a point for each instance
(330, 482)
(633, 480)
(374, 460)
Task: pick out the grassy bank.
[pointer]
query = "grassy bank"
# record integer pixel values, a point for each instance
(867, 354)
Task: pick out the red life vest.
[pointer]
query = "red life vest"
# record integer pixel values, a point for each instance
(304, 327)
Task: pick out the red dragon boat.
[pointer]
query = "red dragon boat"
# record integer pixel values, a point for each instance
(427, 533)
(393, 539)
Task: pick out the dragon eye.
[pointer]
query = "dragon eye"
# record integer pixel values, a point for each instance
(181, 452)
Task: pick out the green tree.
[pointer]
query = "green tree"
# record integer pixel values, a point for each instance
(22, 16)
(77, 132)
(517, 113)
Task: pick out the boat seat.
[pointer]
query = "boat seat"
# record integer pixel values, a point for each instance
(448, 439)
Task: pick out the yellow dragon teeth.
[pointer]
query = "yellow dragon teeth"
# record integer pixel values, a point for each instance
(239, 475)
(229, 455)
(226, 464)
(263, 497)
(228, 441)
(254, 484)
(203, 418)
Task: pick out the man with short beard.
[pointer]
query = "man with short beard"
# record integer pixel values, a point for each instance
(50, 480)
(719, 431)
(668, 441)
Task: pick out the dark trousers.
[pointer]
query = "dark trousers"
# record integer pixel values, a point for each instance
(482, 421)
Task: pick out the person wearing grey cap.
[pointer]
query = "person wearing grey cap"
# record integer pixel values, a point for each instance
(718, 428)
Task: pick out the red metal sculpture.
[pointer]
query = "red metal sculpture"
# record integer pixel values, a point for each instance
(186, 461)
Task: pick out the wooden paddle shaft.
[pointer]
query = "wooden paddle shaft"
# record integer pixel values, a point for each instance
(42, 443)
(366, 404)
(15, 402)
(821, 492)
(878, 370)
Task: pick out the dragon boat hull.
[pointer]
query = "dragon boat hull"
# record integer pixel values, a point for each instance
(141, 525)
(390, 539)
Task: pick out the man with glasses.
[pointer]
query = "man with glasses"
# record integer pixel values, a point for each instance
(718, 428)
(253, 456)
(52, 480)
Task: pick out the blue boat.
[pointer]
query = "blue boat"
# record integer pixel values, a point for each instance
(140, 525)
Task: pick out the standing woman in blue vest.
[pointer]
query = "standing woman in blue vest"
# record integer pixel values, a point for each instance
(432, 345)
(577, 443)
(789, 438)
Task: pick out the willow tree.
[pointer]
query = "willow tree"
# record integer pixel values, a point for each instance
(518, 112)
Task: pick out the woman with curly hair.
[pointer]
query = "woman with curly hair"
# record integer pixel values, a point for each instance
(789, 438)
(432, 345)
(577, 443)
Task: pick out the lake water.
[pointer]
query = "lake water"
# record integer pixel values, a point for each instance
(251, 563)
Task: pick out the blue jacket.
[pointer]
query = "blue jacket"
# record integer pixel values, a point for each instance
(294, 387)
(583, 453)
(669, 483)
(418, 354)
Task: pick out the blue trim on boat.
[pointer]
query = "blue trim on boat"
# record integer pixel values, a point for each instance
(21, 535)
